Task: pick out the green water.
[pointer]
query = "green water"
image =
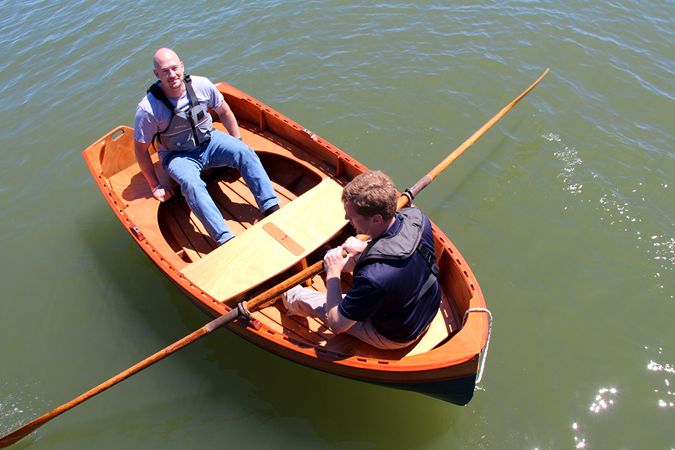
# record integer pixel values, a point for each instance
(564, 210)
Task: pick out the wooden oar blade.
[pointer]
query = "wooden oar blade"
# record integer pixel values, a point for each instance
(27, 429)
(16, 435)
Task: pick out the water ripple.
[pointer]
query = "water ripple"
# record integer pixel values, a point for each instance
(391, 83)
(665, 392)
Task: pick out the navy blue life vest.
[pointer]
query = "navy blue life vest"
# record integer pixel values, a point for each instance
(402, 245)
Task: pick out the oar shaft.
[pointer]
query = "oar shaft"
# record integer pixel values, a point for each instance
(429, 177)
(268, 295)
(226, 318)
(316, 268)
(25, 430)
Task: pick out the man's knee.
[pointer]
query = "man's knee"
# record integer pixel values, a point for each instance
(184, 174)
(242, 154)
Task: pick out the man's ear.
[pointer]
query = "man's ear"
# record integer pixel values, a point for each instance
(377, 218)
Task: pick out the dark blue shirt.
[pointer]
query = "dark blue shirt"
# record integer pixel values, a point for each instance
(385, 291)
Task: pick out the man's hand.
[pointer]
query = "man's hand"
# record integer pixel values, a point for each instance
(333, 262)
(354, 246)
(161, 193)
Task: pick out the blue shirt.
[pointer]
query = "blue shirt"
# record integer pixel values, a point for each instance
(385, 291)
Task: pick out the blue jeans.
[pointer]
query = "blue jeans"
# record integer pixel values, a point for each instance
(222, 150)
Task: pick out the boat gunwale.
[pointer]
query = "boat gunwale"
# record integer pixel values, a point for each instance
(434, 365)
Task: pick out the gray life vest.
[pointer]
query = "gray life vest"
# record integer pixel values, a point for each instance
(186, 129)
(402, 245)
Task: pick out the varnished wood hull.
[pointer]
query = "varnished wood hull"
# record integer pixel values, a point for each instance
(307, 173)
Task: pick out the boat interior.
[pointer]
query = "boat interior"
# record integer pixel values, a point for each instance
(303, 233)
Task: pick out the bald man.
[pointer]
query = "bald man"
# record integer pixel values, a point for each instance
(174, 116)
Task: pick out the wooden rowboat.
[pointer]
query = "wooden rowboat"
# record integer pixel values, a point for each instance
(308, 174)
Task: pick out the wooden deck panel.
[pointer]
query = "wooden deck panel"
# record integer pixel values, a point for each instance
(255, 255)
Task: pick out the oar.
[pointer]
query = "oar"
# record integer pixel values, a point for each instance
(244, 308)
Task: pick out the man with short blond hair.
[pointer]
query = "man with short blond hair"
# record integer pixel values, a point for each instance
(372, 193)
(395, 293)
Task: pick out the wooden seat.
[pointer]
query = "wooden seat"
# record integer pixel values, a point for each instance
(313, 332)
(441, 328)
(272, 245)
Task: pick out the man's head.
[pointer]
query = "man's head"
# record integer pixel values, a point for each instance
(370, 202)
(169, 69)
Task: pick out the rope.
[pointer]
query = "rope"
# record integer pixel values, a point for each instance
(243, 310)
(484, 352)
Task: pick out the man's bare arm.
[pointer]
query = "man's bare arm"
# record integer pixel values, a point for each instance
(159, 192)
(227, 118)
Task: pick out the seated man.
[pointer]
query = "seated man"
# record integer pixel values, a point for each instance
(174, 113)
(395, 293)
